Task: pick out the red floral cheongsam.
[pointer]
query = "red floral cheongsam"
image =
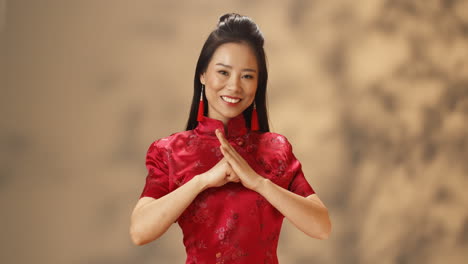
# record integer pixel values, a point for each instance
(227, 224)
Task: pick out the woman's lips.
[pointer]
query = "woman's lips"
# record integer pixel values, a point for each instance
(230, 100)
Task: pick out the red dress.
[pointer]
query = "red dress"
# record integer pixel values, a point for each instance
(228, 224)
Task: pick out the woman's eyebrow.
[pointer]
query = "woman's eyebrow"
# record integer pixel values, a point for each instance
(229, 66)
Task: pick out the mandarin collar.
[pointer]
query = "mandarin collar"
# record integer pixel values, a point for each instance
(236, 126)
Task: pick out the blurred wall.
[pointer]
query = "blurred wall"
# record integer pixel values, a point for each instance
(373, 95)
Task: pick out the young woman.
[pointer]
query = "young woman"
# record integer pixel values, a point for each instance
(227, 180)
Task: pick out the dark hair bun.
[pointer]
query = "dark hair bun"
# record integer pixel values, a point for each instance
(238, 27)
(228, 16)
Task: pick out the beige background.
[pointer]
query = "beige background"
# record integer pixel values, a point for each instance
(372, 94)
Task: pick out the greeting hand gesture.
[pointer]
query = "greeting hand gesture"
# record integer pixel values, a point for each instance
(220, 174)
(248, 177)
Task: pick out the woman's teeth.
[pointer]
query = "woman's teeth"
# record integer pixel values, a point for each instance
(230, 100)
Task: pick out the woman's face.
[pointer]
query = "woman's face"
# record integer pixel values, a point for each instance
(230, 81)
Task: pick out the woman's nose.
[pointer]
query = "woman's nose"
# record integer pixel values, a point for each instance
(234, 82)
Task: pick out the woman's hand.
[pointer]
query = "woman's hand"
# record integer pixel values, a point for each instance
(248, 177)
(219, 175)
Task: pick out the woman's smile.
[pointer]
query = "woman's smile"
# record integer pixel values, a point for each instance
(231, 100)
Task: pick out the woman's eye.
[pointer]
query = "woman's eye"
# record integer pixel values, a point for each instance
(248, 76)
(223, 72)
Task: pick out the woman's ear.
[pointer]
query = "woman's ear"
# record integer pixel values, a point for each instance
(202, 78)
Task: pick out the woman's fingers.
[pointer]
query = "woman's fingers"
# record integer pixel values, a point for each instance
(223, 140)
(231, 175)
(226, 148)
(233, 158)
(228, 151)
(231, 178)
(237, 163)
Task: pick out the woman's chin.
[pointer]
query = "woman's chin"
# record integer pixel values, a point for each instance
(232, 113)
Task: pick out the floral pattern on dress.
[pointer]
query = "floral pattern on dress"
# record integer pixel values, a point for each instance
(228, 224)
(193, 143)
(217, 152)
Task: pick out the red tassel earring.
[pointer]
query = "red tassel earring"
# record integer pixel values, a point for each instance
(201, 107)
(254, 121)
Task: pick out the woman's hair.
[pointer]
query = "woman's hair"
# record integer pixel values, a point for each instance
(235, 28)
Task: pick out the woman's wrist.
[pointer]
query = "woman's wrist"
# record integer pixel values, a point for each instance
(201, 182)
(260, 185)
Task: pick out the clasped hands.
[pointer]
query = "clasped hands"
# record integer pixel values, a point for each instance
(231, 168)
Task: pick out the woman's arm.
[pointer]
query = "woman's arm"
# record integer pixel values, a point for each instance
(308, 214)
(152, 217)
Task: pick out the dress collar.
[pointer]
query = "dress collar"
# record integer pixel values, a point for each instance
(236, 126)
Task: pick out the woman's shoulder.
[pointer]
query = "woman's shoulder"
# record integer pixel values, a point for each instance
(274, 140)
(163, 142)
(273, 136)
